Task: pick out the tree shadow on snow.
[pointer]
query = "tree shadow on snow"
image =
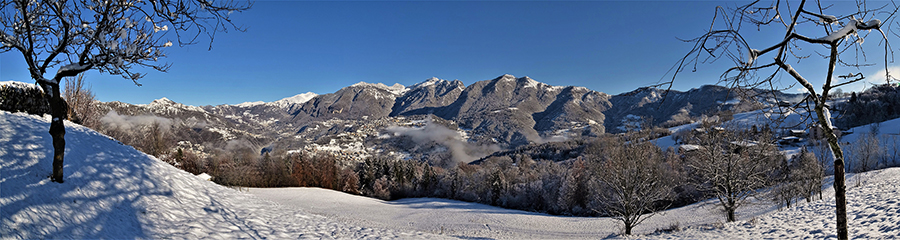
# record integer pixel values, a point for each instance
(104, 194)
(449, 204)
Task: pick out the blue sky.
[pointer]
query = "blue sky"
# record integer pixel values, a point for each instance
(292, 47)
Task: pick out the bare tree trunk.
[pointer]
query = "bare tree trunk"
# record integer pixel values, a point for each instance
(729, 214)
(840, 188)
(824, 118)
(58, 112)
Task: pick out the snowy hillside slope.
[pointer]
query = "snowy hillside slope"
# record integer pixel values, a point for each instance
(888, 134)
(874, 212)
(114, 191)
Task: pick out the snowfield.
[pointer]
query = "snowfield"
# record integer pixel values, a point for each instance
(114, 191)
(873, 212)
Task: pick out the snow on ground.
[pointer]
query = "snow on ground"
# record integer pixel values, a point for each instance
(886, 130)
(473, 220)
(873, 212)
(114, 191)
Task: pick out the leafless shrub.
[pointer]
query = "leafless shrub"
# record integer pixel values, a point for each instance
(82, 109)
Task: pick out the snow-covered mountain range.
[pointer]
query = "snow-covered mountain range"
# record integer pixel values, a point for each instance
(505, 112)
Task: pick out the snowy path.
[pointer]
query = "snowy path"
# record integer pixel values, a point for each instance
(114, 191)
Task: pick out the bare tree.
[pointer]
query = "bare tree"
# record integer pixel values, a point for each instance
(632, 182)
(810, 173)
(841, 38)
(733, 167)
(157, 138)
(802, 177)
(866, 153)
(113, 37)
(80, 99)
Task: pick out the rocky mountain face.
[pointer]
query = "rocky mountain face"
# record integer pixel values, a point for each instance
(353, 102)
(508, 111)
(502, 113)
(515, 111)
(427, 96)
(657, 106)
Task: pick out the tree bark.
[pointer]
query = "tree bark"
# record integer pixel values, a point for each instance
(840, 188)
(58, 112)
(729, 214)
(628, 228)
(824, 117)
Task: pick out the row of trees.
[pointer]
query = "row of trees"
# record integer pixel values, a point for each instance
(626, 180)
(876, 104)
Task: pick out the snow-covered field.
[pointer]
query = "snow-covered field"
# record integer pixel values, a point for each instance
(873, 212)
(473, 220)
(114, 191)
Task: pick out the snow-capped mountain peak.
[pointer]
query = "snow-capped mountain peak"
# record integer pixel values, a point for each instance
(166, 105)
(506, 77)
(396, 89)
(250, 104)
(282, 103)
(529, 83)
(427, 82)
(296, 99)
(163, 102)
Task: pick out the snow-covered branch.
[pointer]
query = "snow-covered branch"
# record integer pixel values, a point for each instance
(72, 69)
(851, 28)
(110, 36)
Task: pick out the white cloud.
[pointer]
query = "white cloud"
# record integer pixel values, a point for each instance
(879, 76)
(876, 78)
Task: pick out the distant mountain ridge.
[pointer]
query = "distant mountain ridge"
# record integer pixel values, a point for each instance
(506, 111)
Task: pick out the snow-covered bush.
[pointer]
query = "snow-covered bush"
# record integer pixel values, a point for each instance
(23, 97)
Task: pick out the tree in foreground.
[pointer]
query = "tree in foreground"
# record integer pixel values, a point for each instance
(804, 24)
(732, 166)
(119, 37)
(633, 181)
